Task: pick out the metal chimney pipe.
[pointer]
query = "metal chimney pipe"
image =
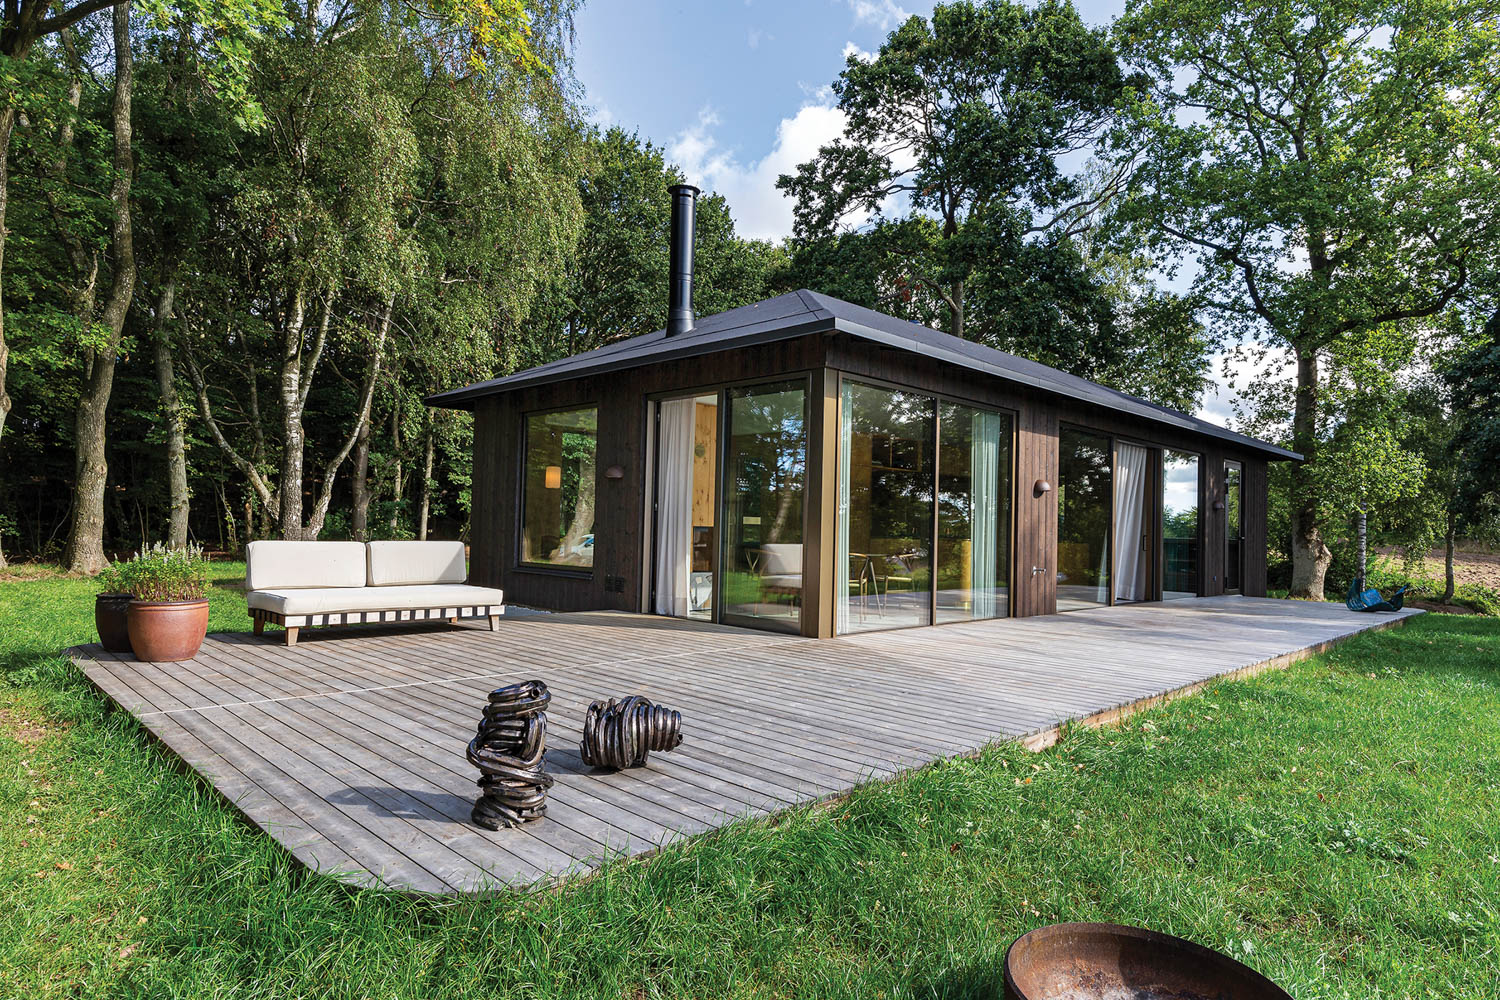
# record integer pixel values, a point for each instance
(683, 235)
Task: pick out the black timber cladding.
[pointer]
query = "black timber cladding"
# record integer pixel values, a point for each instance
(802, 312)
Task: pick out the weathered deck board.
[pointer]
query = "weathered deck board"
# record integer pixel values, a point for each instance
(349, 747)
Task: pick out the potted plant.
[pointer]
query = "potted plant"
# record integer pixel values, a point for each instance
(110, 607)
(168, 612)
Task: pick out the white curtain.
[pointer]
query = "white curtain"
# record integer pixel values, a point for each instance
(674, 511)
(842, 572)
(1130, 522)
(984, 459)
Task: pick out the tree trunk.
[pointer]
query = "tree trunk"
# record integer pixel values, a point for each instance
(7, 125)
(359, 520)
(427, 450)
(1448, 560)
(1310, 555)
(291, 418)
(86, 537)
(397, 475)
(1362, 557)
(171, 408)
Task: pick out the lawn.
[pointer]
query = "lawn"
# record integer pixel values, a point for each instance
(1336, 825)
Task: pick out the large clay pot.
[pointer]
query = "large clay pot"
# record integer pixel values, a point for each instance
(109, 620)
(164, 631)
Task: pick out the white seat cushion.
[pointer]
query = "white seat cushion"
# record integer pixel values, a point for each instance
(304, 601)
(278, 565)
(400, 564)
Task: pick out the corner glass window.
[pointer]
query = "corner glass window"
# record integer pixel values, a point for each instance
(557, 488)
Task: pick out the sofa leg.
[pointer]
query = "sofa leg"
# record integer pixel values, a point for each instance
(291, 635)
(494, 623)
(260, 625)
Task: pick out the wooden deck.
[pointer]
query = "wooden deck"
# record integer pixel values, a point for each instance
(349, 748)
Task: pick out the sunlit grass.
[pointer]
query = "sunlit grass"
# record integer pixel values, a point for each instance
(1337, 825)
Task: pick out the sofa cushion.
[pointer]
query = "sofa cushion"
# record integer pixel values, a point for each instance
(302, 601)
(400, 564)
(277, 565)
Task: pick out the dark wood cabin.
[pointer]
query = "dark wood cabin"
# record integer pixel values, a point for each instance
(809, 465)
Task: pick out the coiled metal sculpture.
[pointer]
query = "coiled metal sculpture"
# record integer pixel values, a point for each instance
(617, 735)
(508, 752)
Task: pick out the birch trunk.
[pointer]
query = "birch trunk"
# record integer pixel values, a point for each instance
(427, 455)
(85, 552)
(171, 408)
(359, 485)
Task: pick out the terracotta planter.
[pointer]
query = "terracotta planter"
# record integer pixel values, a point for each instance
(109, 620)
(164, 631)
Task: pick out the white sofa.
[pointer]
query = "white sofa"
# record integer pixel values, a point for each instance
(298, 584)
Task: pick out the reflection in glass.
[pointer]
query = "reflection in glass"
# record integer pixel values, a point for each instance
(973, 543)
(885, 508)
(1084, 484)
(557, 499)
(1179, 525)
(1234, 526)
(765, 462)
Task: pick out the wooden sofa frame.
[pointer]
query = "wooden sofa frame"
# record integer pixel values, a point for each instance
(294, 623)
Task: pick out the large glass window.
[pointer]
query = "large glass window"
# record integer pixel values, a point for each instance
(973, 524)
(765, 468)
(557, 500)
(1084, 494)
(1179, 525)
(885, 508)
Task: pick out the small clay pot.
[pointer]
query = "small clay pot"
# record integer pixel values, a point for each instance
(109, 619)
(167, 631)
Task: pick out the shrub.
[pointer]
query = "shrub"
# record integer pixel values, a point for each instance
(111, 579)
(163, 574)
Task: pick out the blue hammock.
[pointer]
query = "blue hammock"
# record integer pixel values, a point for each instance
(1370, 600)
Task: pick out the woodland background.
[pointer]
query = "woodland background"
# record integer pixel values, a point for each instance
(242, 241)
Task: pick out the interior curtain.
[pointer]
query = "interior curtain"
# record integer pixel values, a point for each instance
(674, 512)
(984, 526)
(1130, 514)
(843, 575)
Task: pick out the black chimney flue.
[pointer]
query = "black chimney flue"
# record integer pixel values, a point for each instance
(680, 275)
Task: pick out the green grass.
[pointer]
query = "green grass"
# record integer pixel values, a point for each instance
(1336, 825)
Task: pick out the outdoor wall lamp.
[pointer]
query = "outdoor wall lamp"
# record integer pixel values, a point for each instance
(552, 478)
(615, 472)
(1042, 488)
(1218, 505)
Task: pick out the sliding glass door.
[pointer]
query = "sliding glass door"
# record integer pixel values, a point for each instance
(974, 509)
(1084, 506)
(765, 479)
(1179, 525)
(1234, 527)
(885, 508)
(924, 510)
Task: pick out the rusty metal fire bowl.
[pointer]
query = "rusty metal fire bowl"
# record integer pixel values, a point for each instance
(1112, 962)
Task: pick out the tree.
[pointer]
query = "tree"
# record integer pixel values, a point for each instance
(615, 282)
(1472, 452)
(953, 138)
(1332, 169)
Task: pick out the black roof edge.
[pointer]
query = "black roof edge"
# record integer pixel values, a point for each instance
(817, 318)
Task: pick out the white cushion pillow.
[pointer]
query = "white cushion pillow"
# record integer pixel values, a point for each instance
(322, 601)
(401, 564)
(278, 565)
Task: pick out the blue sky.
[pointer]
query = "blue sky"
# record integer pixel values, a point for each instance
(736, 91)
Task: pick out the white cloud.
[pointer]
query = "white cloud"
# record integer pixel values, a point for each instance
(882, 14)
(760, 211)
(756, 36)
(850, 49)
(1234, 370)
